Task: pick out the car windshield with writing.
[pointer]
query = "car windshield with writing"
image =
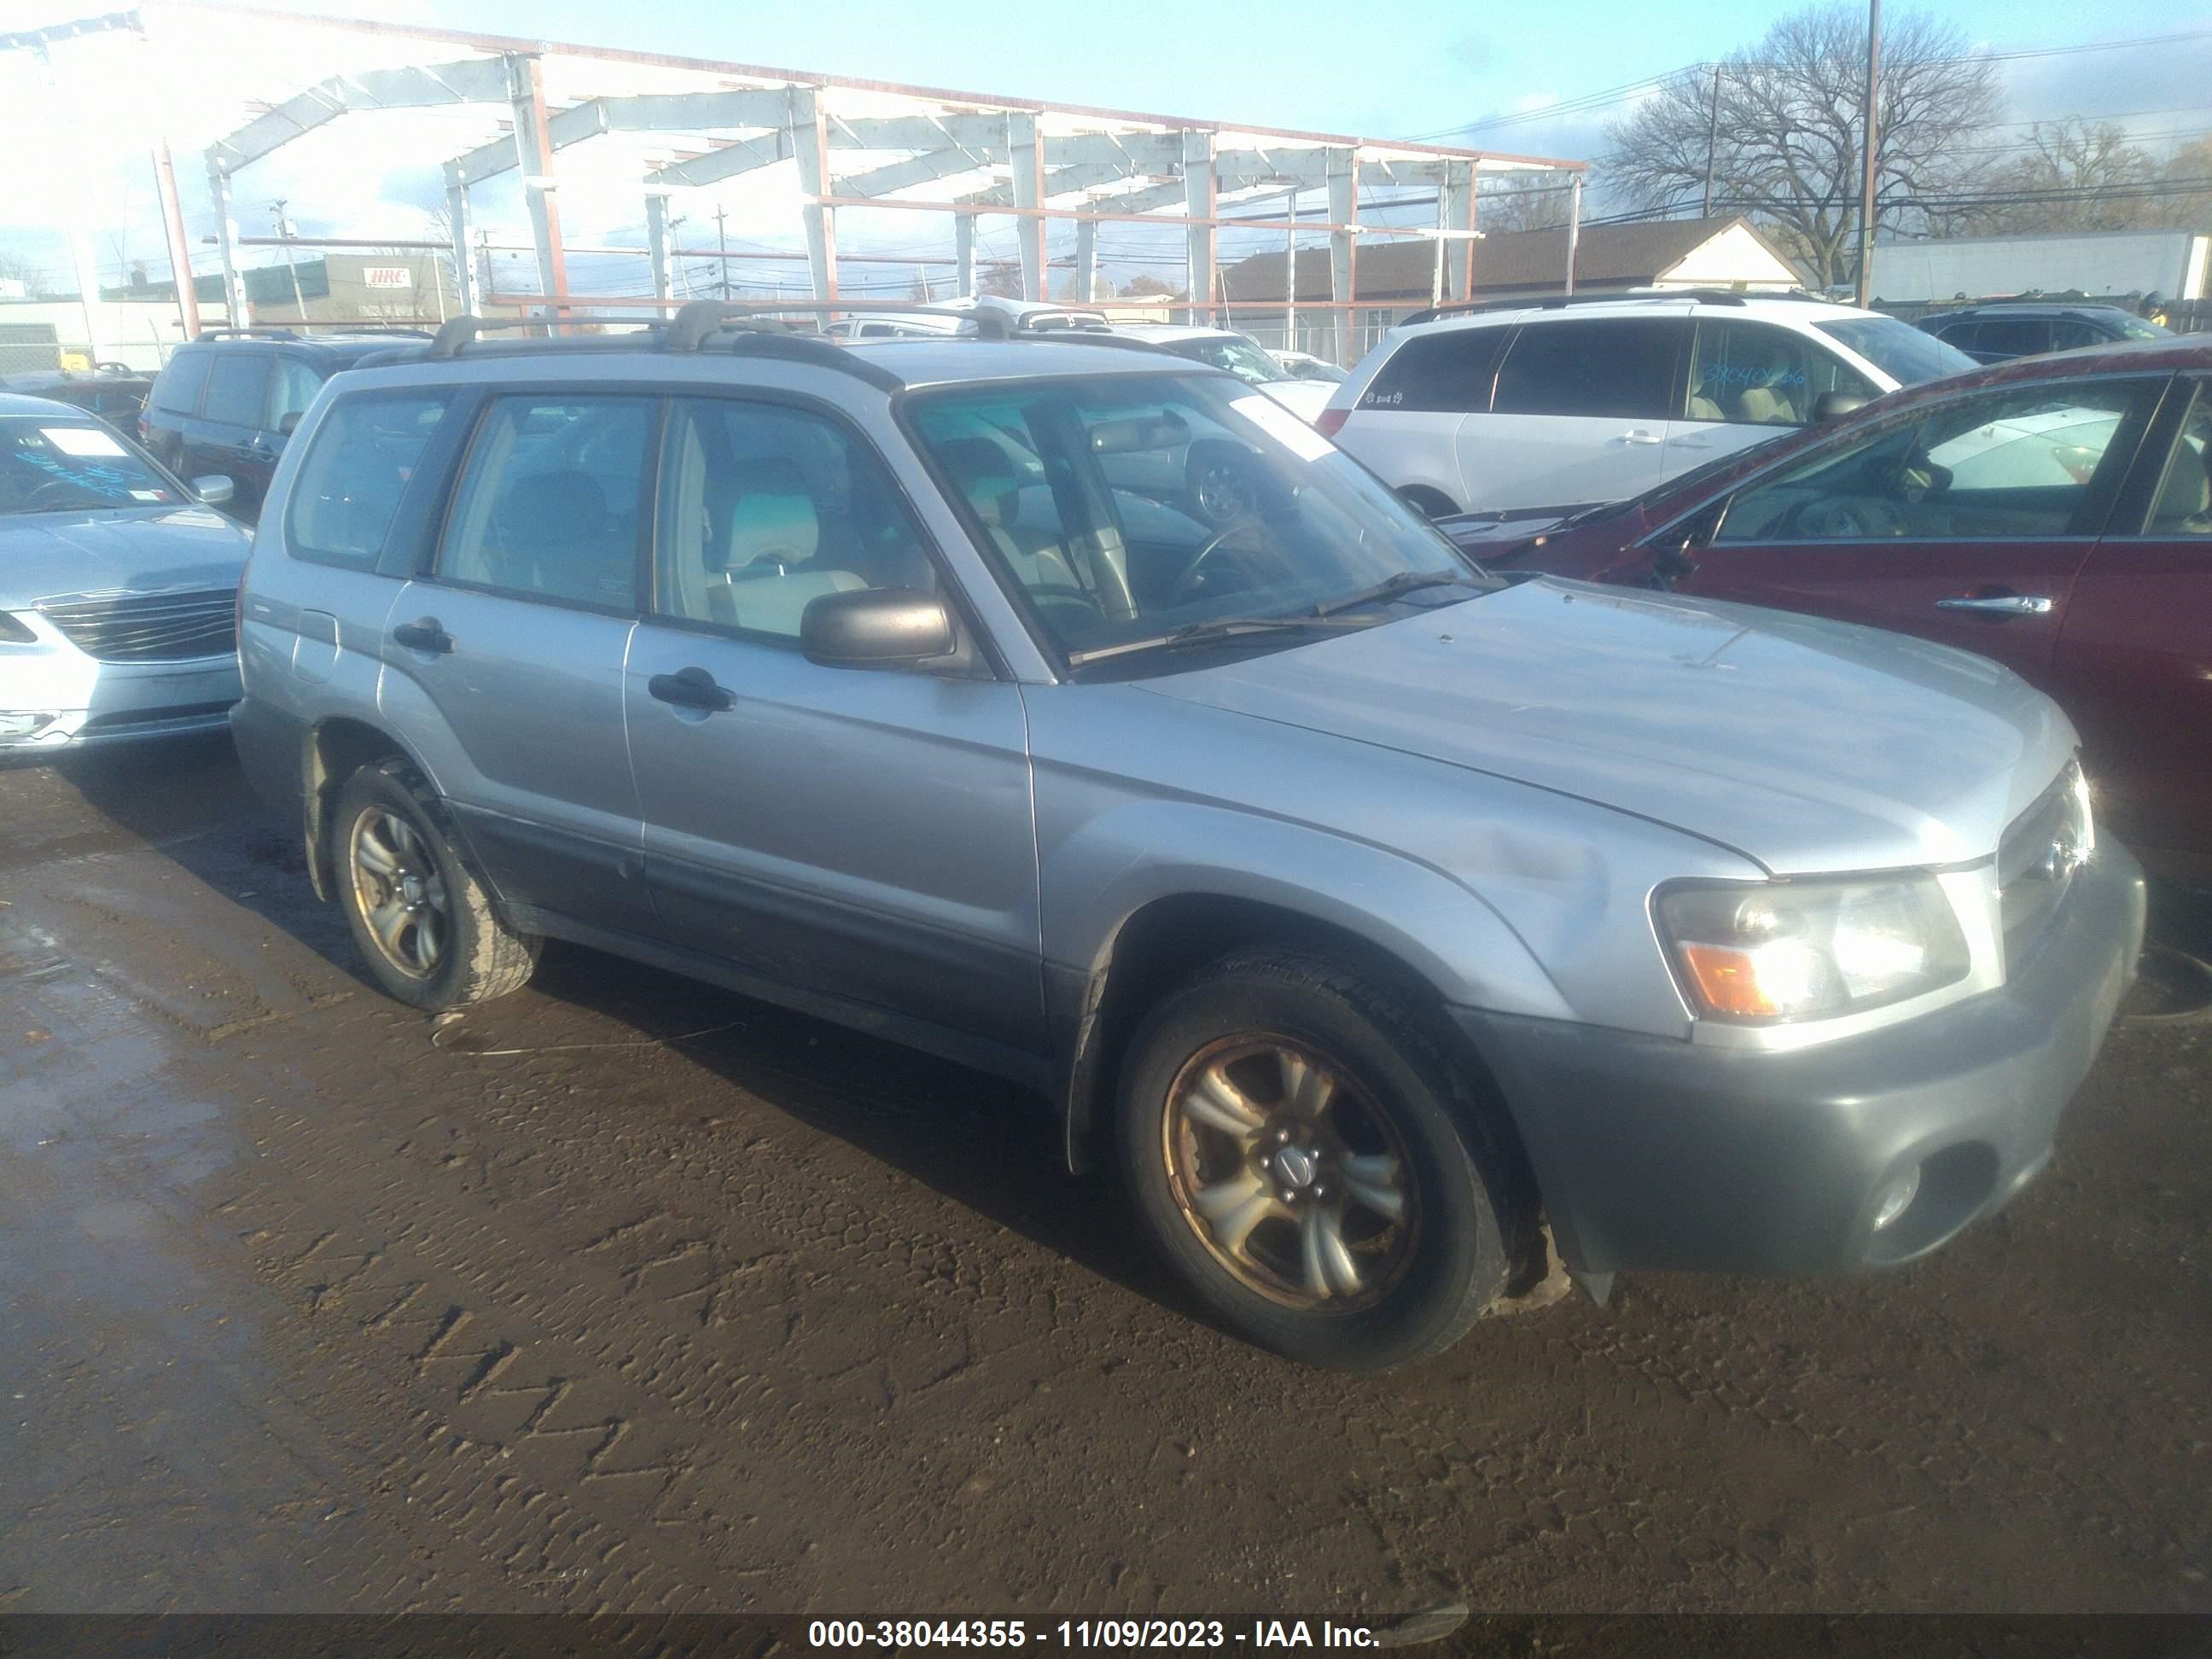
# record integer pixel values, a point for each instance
(62, 466)
(1138, 514)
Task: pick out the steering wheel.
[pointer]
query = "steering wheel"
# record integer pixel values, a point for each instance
(52, 489)
(1186, 584)
(1844, 519)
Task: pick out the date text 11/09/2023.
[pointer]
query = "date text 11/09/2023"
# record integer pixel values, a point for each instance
(1079, 1634)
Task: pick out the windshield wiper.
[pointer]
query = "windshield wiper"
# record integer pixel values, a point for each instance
(1406, 582)
(1221, 629)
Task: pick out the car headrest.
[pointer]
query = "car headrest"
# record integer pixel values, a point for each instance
(981, 472)
(772, 519)
(566, 508)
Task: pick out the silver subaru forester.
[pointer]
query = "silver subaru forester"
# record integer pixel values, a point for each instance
(1391, 927)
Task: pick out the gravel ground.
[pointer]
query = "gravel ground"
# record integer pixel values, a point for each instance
(625, 1294)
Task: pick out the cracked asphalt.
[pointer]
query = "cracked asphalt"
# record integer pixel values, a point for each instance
(623, 1293)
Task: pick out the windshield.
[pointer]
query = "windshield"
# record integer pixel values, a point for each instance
(1235, 354)
(64, 466)
(1897, 349)
(1129, 507)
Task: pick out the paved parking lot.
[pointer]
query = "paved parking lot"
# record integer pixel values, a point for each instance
(625, 1293)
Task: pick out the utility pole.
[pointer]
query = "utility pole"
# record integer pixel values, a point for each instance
(1873, 141)
(723, 249)
(1712, 141)
(285, 230)
(1574, 226)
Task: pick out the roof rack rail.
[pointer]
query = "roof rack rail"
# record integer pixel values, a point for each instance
(225, 332)
(456, 334)
(1711, 296)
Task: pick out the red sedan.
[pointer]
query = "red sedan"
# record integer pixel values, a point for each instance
(2054, 514)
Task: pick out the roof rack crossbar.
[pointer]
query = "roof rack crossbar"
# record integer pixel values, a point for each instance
(456, 334)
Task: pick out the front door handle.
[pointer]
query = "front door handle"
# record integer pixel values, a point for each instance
(1638, 435)
(690, 688)
(2003, 605)
(424, 635)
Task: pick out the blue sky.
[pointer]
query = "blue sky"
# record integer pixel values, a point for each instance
(1396, 69)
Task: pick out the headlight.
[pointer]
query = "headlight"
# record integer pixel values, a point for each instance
(1808, 949)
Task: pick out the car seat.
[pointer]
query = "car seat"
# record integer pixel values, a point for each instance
(558, 538)
(2184, 502)
(770, 558)
(986, 480)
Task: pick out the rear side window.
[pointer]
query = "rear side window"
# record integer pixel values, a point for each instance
(1609, 367)
(549, 505)
(238, 389)
(350, 485)
(296, 386)
(1446, 374)
(178, 388)
(2015, 336)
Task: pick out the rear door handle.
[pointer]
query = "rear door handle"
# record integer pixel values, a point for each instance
(2003, 605)
(1638, 435)
(690, 688)
(424, 635)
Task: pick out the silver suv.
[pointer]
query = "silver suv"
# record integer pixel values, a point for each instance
(1390, 923)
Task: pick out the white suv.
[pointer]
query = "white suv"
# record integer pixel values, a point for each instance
(1557, 403)
(1242, 356)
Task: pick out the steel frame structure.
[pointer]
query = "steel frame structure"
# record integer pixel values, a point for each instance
(1046, 164)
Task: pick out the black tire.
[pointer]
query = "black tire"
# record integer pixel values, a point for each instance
(1469, 1211)
(479, 956)
(1428, 503)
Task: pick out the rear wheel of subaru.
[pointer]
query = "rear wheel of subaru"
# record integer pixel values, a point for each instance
(1307, 1155)
(425, 925)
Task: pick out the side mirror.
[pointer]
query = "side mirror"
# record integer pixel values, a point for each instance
(875, 627)
(290, 421)
(213, 490)
(1833, 405)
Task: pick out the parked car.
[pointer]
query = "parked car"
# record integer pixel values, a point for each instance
(113, 391)
(2051, 514)
(1373, 911)
(1993, 333)
(227, 402)
(117, 587)
(1543, 408)
(1304, 366)
(958, 316)
(1242, 356)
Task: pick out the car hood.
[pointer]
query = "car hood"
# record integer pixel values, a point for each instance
(1804, 745)
(1303, 398)
(62, 556)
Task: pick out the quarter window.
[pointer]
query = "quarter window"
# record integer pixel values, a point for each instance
(2037, 462)
(178, 389)
(238, 389)
(1444, 374)
(1754, 374)
(1605, 367)
(766, 508)
(365, 450)
(549, 506)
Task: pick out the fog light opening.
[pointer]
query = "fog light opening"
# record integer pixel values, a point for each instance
(23, 723)
(1896, 1198)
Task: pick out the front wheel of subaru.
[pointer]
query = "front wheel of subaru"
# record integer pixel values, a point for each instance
(1309, 1157)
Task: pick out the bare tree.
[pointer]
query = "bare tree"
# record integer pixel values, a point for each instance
(2076, 175)
(1524, 201)
(18, 266)
(1783, 127)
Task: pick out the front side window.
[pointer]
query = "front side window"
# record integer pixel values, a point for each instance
(2033, 462)
(178, 389)
(2015, 336)
(1903, 352)
(1126, 508)
(1604, 368)
(365, 450)
(2182, 507)
(1445, 374)
(1756, 375)
(764, 508)
(238, 388)
(1246, 361)
(74, 466)
(549, 506)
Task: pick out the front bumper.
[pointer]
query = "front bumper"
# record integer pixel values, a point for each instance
(56, 699)
(1654, 1153)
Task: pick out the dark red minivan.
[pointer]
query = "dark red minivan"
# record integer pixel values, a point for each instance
(2054, 514)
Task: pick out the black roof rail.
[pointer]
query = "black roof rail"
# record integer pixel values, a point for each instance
(812, 348)
(1710, 296)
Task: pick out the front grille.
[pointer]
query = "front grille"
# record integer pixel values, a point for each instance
(2036, 861)
(150, 626)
